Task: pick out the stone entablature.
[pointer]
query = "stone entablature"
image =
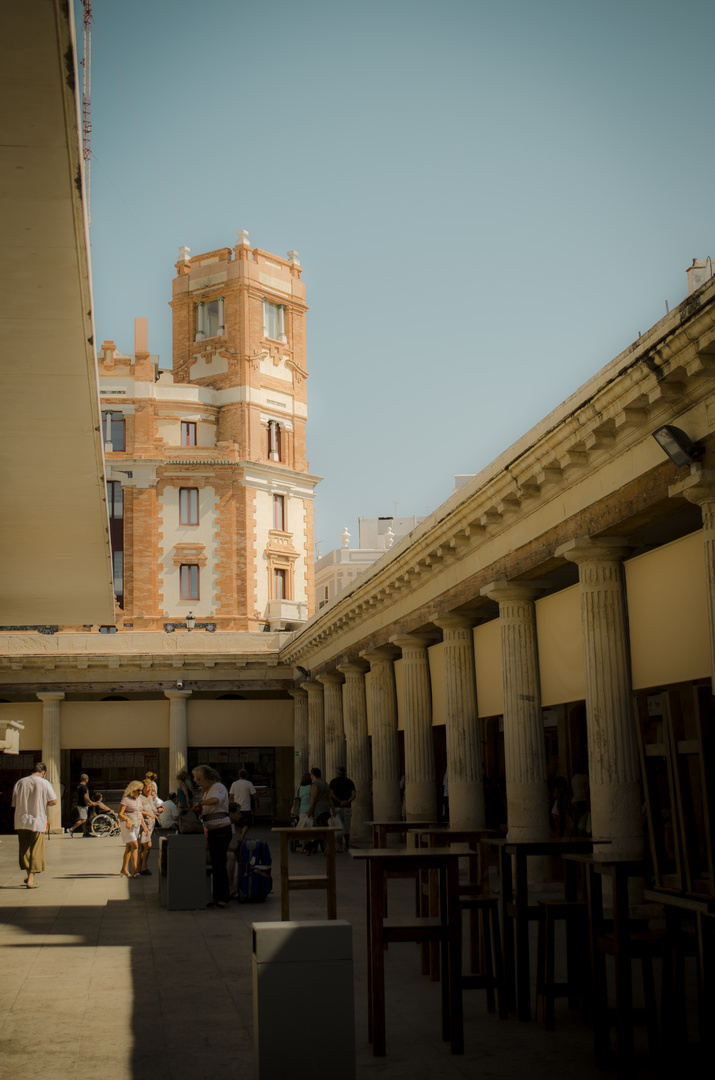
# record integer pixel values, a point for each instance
(596, 445)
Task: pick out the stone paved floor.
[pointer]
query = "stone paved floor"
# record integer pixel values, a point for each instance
(100, 982)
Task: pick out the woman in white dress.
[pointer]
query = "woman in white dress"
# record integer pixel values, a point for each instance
(131, 826)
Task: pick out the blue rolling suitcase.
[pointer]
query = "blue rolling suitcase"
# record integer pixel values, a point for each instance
(255, 881)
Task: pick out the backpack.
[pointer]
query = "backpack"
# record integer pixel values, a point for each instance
(254, 871)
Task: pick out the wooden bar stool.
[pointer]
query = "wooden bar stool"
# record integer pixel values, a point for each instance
(493, 973)
(574, 914)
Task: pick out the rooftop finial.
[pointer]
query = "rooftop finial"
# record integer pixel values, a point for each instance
(293, 256)
(345, 537)
(184, 253)
(242, 235)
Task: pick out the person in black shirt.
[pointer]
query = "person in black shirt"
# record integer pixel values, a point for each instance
(83, 804)
(342, 795)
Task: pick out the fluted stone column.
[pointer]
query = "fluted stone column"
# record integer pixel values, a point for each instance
(699, 488)
(613, 761)
(178, 730)
(420, 779)
(386, 798)
(316, 725)
(335, 750)
(51, 751)
(358, 749)
(301, 764)
(524, 749)
(464, 749)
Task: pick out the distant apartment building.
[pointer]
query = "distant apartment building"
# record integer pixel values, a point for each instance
(336, 570)
(210, 498)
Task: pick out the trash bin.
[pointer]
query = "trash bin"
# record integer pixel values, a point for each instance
(303, 996)
(182, 871)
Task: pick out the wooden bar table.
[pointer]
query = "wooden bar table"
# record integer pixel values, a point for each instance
(515, 910)
(701, 908)
(446, 929)
(292, 882)
(478, 885)
(381, 829)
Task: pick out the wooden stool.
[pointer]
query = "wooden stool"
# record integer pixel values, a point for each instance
(641, 945)
(493, 975)
(576, 988)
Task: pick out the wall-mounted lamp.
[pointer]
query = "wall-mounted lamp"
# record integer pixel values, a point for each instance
(679, 447)
(190, 622)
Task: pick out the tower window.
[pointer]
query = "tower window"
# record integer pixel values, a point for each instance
(188, 506)
(188, 433)
(274, 321)
(279, 584)
(115, 503)
(189, 581)
(114, 432)
(209, 319)
(279, 520)
(274, 448)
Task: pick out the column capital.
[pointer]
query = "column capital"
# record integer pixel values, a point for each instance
(383, 654)
(418, 642)
(313, 688)
(512, 590)
(698, 488)
(298, 695)
(331, 678)
(356, 667)
(51, 695)
(604, 549)
(177, 695)
(453, 620)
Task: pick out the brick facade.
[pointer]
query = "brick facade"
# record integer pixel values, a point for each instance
(229, 422)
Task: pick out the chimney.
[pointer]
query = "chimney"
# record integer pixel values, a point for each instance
(142, 364)
(700, 272)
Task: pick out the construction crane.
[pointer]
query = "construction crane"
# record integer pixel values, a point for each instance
(86, 104)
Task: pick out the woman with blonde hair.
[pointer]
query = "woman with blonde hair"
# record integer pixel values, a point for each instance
(131, 826)
(150, 806)
(214, 812)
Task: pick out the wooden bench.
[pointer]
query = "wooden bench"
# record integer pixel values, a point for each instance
(296, 882)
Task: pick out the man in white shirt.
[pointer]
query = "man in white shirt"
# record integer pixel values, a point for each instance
(169, 813)
(240, 793)
(31, 796)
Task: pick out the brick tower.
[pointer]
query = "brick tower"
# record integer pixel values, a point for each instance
(209, 490)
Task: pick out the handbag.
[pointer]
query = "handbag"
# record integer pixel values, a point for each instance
(189, 823)
(305, 823)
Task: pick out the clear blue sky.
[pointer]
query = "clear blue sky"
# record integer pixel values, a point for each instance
(490, 201)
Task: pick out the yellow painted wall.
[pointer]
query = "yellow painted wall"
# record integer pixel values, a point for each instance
(560, 637)
(30, 714)
(667, 614)
(110, 725)
(488, 665)
(240, 723)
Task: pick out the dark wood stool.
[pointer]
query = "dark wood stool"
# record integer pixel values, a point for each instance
(574, 914)
(493, 974)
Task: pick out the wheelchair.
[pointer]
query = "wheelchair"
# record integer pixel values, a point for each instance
(104, 825)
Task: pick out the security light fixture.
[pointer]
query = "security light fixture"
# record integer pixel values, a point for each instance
(190, 622)
(679, 447)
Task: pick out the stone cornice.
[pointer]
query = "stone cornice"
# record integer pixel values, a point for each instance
(668, 371)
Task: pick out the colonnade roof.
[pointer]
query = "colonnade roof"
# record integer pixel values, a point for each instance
(55, 564)
(589, 468)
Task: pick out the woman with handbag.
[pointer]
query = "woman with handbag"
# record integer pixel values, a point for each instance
(214, 812)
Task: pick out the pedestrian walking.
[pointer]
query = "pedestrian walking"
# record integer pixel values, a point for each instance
(84, 803)
(31, 796)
